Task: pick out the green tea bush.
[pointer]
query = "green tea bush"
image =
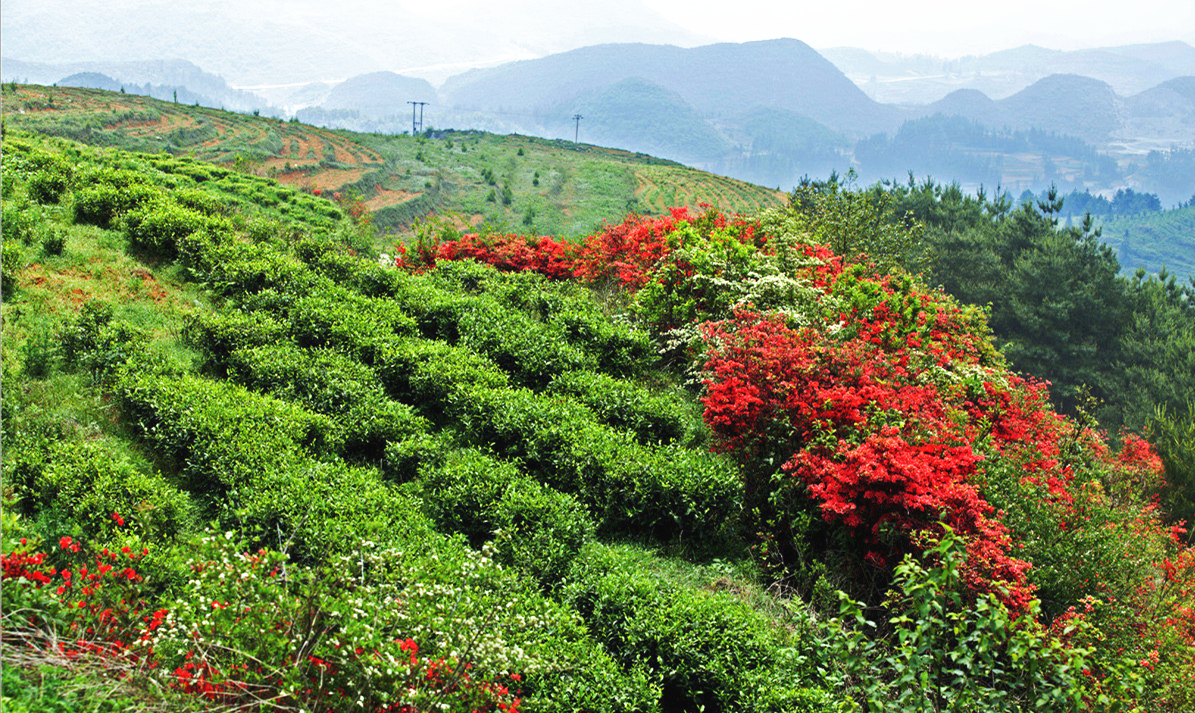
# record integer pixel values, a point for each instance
(330, 383)
(217, 335)
(666, 492)
(157, 227)
(221, 436)
(49, 184)
(531, 352)
(626, 406)
(359, 326)
(364, 276)
(708, 650)
(95, 342)
(462, 493)
(425, 373)
(80, 484)
(540, 532)
(403, 460)
(11, 262)
(533, 528)
(619, 349)
(235, 269)
(53, 240)
(321, 380)
(199, 201)
(102, 204)
(373, 424)
(20, 221)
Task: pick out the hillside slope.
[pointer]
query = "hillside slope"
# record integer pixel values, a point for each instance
(554, 187)
(482, 476)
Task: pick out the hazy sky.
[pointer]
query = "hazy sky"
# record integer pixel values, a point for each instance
(944, 27)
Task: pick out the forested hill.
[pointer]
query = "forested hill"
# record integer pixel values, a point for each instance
(716, 80)
(695, 461)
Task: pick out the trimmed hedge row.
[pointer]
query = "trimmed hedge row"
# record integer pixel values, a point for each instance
(220, 434)
(626, 406)
(158, 226)
(75, 486)
(333, 384)
(534, 529)
(533, 328)
(218, 334)
(369, 278)
(103, 204)
(710, 651)
(665, 491)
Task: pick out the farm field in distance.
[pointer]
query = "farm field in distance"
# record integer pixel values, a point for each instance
(505, 183)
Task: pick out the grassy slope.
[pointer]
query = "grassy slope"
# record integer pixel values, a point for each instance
(401, 178)
(43, 395)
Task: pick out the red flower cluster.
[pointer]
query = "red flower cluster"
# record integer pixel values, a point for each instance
(879, 446)
(509, 253)
(109, 618)
(626, 253)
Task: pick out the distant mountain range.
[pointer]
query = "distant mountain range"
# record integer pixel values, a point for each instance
(768, 112)
(160, 79)
(923, 79)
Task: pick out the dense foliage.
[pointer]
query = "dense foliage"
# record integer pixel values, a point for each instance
(692, 462)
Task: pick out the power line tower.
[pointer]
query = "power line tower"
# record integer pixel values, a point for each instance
(577, 132)
(416, 126)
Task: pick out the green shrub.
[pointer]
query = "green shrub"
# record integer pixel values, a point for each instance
(236, 269)
(403, 459)
(103, 204)
(359, 326)
(619, 349)
(38, 354)
(199, 201)
(462, 493)
(158, 227)
(221, 436)
(11, 262)
(950, 655)
(20, 222)
(665, 492)
(94, 342)
(218, 334)
(373, 424)
(53, 240)
(81, 484)
(539, 531)
(710, 651)
(425, 373)
(49, 184)
(534, 529)
(364, 276)
(531, 351)
(626, 406)
(321, 380)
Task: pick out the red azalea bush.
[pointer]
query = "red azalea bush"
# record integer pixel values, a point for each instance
(509, 253)
(881, 448)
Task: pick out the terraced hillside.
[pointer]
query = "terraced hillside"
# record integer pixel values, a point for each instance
(489, 181)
